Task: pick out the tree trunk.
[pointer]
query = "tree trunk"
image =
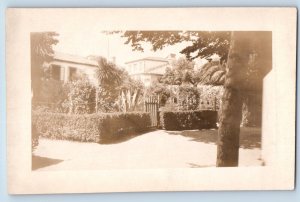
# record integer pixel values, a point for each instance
(231, 109)
(241, 77)
(229, 130)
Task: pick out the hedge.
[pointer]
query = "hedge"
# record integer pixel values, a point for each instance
(90, 127)
(188, 120)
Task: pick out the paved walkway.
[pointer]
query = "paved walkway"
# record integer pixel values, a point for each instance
(157, 149)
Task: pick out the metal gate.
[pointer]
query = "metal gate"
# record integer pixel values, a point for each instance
(152, 106)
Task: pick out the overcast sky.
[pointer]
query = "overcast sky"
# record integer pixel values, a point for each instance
(90, 41)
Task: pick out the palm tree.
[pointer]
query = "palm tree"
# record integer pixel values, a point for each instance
(212, 74)
(108, 76)
(107, 72)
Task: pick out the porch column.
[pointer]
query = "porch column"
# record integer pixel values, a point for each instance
(66, 73)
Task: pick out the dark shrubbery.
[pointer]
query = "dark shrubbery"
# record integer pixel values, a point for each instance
(35, 137)
(188, 98)
(90, 127)
(188, 120)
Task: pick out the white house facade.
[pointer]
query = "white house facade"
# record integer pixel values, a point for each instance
(149, 69)
(66, 67)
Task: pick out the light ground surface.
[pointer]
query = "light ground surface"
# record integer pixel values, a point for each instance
(156, 149)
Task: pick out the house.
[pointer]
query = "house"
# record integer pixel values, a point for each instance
(67, 67)
(149, 69)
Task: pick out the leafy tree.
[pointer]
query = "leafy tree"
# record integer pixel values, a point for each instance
(182, 71)
(249, 60)
(41, 44)
(170, 77)
(203, 43)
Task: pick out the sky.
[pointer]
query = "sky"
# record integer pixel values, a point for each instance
(91, 41)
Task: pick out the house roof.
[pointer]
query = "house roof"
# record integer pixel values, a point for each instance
(149, 58)
(74, 59)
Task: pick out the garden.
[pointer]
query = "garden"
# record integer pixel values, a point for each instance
(116, 107)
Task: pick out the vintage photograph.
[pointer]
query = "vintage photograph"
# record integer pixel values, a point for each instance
(161, 99)
(147, 99)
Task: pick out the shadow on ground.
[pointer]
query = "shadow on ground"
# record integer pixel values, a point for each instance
(250, 138)
(125, 137)
(40, 162)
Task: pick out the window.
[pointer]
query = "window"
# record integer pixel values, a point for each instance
(55, 72)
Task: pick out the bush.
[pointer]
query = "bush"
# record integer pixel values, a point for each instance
(188, 120)
(188, 98)
(76, 97)
(80, 97)
(34, 137)
(90, 127)
(210, 97)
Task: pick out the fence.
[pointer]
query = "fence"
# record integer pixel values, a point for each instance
(152, 106)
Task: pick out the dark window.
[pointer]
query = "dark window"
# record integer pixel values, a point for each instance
(55, 72)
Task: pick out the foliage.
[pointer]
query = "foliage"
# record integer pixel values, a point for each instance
(212, 74)
(159, 90)
(128, 100)
(210, 96)
(252, 110)
(77, 97)
(171, 77)
(41, 44)
(89, 127)
(203, 43)
(188, 120)
(130, 93)
(182, 72)
(107, 73)
(116, 90)
(52, 94)
(80, 97)
(34, 137)
(188, 98)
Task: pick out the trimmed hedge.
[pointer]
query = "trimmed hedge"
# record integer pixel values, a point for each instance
(188, 120)
(90, 127)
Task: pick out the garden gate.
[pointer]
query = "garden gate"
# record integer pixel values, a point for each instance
(152, 106)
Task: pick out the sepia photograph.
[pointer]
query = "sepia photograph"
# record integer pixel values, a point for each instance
(147, 99)
(141, 106)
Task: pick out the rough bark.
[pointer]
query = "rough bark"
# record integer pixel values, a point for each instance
(238, 81)
(231, 109)
(229, 130)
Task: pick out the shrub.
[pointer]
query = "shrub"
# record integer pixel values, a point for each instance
(252, 110)
(80, 97)
(210, 97)
(76, 97)
(188, 120)
(188, 98)
(90, 127)
(34, 137)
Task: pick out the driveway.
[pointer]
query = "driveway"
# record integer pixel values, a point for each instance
(156, 149)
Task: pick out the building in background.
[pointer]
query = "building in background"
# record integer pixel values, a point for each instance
(66, 67)
(149, 69)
